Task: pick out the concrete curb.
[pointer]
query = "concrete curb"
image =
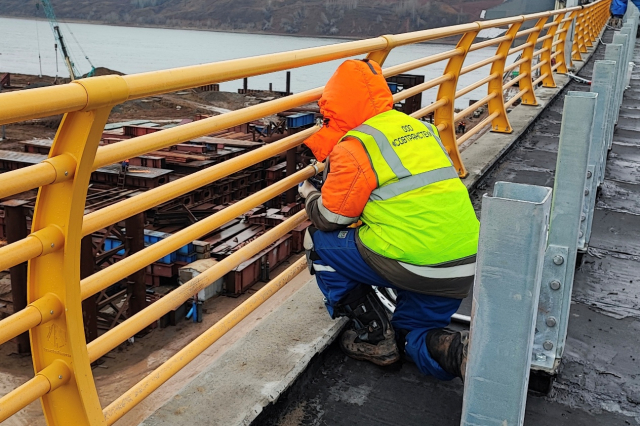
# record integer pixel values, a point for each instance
(258, 368)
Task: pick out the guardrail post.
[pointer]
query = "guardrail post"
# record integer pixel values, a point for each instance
(628, 47)
(505, 301)
(626, 30)
(501, 123)
(616, 52)
(560, 257)
(603, 75)
(529, 97)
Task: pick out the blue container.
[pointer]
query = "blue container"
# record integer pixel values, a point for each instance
(393, 87)
(302, 119)
(186, 250)
(153, 237)
(169, 259)
(190, 258)
(111, 243)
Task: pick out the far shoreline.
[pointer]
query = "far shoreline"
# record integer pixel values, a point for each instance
(447, 40)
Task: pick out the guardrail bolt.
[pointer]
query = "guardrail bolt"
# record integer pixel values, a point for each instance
(586, 192)
(60, 377)
(589, 174)
(583, 217)
(52, 245)
(558, 260)
(51, 312)
(551, 322)
(66, 173)
(555, 285)
(548, 345)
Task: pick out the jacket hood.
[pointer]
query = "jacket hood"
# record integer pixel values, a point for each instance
(356, 92)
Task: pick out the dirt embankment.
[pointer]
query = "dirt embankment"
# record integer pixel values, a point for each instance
(338, 18)
(172, 106)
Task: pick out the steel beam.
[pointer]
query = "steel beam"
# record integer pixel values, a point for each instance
(513, 236)
(136, 287)
(16, 229)
(560, 257)
(291, 169)
(89, 308)
(603, 75)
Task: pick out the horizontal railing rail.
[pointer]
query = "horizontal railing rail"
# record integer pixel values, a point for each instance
(64, 381)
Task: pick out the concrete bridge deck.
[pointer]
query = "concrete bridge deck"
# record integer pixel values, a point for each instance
(599, 380)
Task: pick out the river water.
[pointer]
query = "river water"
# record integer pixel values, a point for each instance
(133, 50)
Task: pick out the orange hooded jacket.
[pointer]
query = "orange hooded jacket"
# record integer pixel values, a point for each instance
(355, 93)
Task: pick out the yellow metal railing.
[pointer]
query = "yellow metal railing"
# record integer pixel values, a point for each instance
(64, 381)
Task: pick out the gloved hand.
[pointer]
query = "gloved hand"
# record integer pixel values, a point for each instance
(306, 188)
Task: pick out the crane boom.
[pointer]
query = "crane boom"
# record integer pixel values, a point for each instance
(57, 33)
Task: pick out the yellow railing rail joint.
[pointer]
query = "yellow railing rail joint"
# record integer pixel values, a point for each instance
(50, 378)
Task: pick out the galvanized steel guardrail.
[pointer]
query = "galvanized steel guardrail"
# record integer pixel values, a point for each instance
(63, 379)
(529, 241)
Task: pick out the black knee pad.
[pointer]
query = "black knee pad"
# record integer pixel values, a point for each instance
(369, 317)
(309, 248)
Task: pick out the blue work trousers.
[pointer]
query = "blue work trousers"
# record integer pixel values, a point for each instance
(619, 7)
(416, 313)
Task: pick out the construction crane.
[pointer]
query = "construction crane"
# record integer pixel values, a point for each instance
(57, 33)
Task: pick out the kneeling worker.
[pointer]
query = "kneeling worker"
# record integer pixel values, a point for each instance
(419, 232)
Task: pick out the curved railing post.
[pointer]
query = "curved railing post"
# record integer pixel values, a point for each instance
(380, 56)
(563, 57)
(578, 41)
(529, 97)
(61, 341)
(447, 92)
(589, 32)
(501, 123)
(547, 48)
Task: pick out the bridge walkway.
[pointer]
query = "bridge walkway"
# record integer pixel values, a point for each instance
(599, 380)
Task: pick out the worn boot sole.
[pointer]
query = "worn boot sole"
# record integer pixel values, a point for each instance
(449, 349)
(383, 354)
(464, 340)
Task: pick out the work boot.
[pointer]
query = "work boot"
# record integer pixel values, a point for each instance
(616, 22)
(449, 349)
(369, 336)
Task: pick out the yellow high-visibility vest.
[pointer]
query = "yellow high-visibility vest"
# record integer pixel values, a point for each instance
(420, 213)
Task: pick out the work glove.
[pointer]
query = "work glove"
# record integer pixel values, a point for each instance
(306, 188)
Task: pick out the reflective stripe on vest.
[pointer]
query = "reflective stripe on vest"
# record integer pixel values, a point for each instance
(459, 271)
(434, 131)
(406, 181)
(335, 217)
(413, 182)
(389, 155)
